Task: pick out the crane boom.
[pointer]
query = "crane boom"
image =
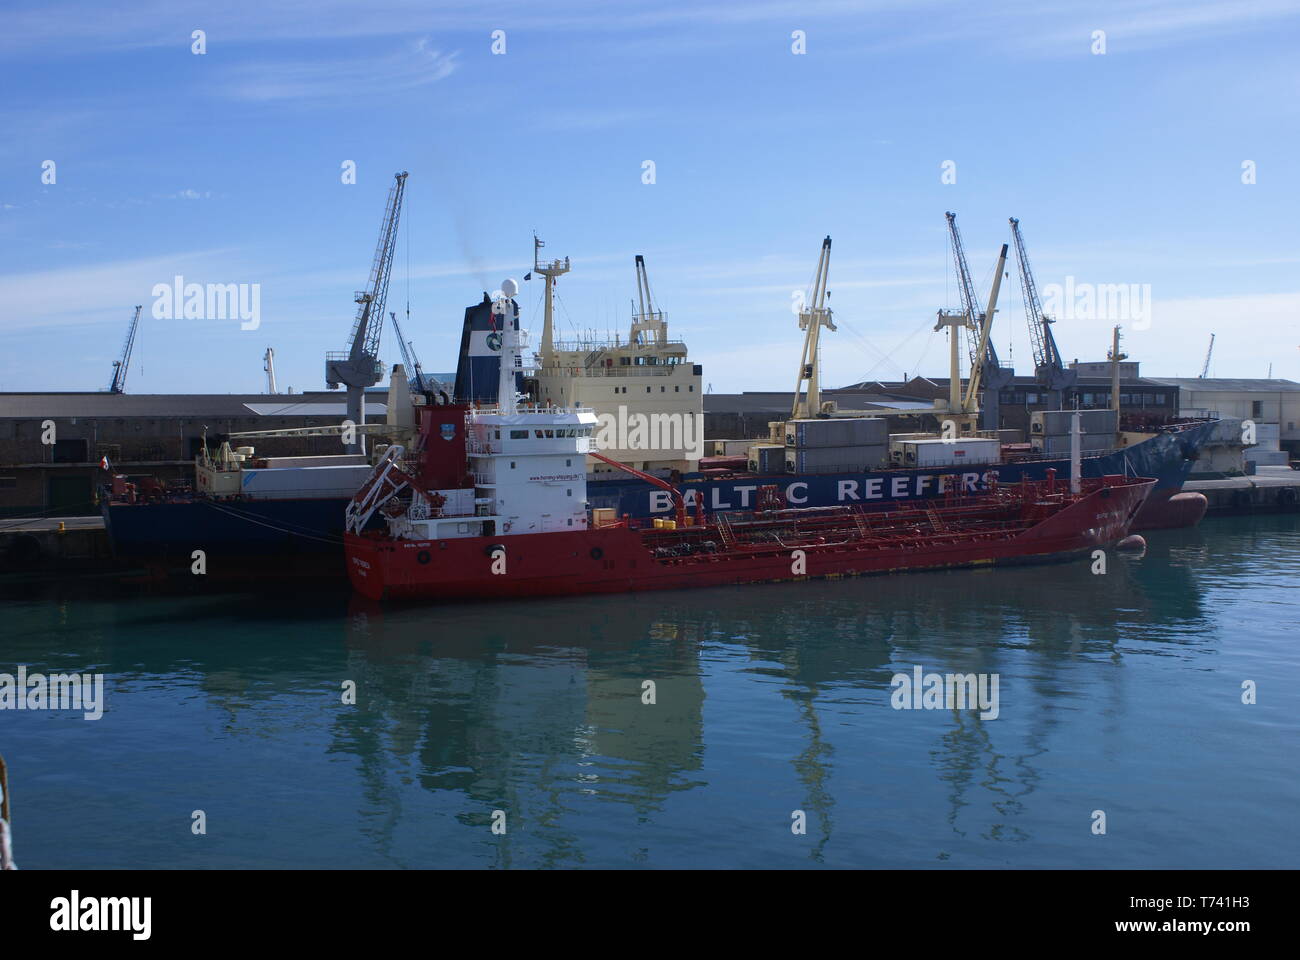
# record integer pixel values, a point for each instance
(408, 354)
(359, 367)
(984, 346)
(812, 318)
(1048, 368)
(1205, 368)
(964, 286)
(647, 320)
(118, 383)
(366, 329)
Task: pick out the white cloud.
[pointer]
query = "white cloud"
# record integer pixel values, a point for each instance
(414, 66)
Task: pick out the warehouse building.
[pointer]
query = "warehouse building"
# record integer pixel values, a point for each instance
(53, 445)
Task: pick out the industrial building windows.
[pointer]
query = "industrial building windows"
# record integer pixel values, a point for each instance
(1257, 408)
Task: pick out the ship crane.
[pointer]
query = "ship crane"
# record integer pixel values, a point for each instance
(649, 326)
(679, 502)
(988, 365)
(812, 318)
(118, 383)
(408, 355)
(987, 375)
(358, 367)
(1050, 372)
(1205, 367)
(268, 365)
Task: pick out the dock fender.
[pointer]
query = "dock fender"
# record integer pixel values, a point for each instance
(1286, 497)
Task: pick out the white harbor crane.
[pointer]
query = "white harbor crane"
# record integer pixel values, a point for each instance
(1051, 373)
(985, 360)
(359, 366)
(649, 326)
(118, 384)
(268, 365)
(812, 318)
(1205, 367)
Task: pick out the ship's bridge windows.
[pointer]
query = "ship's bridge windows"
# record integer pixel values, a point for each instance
(518, 434)
(550, 434)
(537, 434)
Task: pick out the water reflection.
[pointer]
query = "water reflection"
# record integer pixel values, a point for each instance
(537, 708)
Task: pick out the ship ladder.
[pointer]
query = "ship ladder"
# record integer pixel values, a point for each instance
(936, 521)
(724, 530)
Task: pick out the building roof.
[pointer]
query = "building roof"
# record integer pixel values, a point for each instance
(1230, 384)
(779, 403)
(107, 406)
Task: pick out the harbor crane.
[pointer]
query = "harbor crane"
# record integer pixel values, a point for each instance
(1050, 372)
(408, 354)
(118, 384)
(649, 326)
(988, 408)
(987, 375)
(359, 367)
(268, 365)
(1205, 367)
(812, 318)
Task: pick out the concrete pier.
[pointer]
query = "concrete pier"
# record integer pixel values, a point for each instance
(1271, 490)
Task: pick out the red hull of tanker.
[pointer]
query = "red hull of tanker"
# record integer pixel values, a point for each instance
(617, 559)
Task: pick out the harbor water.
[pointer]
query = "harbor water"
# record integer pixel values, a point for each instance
(1147, 716)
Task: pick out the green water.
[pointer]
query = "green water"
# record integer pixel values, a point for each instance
(1119, 693)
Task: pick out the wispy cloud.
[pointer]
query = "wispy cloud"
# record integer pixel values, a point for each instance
(416, 65)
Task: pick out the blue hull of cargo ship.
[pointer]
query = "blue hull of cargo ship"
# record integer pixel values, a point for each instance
(304, 537)
(1167, 457)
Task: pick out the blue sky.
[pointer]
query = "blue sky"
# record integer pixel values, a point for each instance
(1125, 168)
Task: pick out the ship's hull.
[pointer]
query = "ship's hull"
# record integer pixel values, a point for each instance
(303, 537)
(618, 560)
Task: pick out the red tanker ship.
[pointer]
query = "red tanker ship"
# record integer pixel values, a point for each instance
(493, 504)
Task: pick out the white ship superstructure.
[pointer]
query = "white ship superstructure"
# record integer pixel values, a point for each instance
(645, 393)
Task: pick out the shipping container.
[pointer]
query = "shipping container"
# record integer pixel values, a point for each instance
(284, 483)
(766, 458)
(729, 448)
(1089, 443)
(1056, 423)
(836, 432)
(938, 453)
(835, 459)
